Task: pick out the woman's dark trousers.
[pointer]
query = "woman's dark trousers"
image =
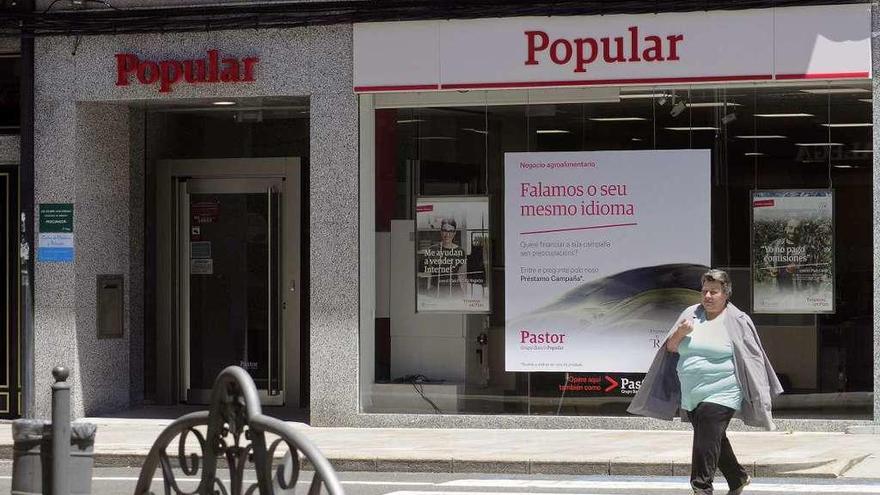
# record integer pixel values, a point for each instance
(712, 449)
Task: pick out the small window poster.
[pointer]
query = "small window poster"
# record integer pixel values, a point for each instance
(452, 254)
(793, 251)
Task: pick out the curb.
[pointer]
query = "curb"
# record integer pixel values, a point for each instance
(611, 467)
(587, 468)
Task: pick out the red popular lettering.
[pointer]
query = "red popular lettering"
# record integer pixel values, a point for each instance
(581, 52)
(210, 69)
(126, 64)
(534, 48)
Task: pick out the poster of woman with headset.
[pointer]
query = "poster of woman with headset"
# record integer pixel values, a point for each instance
(452, 241)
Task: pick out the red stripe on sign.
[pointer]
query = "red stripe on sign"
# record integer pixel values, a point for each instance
(403, 87)
(596, 82)
(826, 75)
(424, 208)
(579, 228)
(763, 202)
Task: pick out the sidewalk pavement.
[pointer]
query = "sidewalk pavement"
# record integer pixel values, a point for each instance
(126, 441)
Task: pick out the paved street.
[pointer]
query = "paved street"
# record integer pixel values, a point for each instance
(122, 480)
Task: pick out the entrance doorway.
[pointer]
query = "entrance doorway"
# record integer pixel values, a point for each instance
(232, 259)
(10, 295)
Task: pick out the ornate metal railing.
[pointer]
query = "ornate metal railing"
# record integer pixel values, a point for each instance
(237, 433)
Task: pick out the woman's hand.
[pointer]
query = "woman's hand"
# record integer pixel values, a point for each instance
(684, 328)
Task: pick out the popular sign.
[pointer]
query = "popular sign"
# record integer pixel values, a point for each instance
(815, 42)
(581, 52)
(213, 68)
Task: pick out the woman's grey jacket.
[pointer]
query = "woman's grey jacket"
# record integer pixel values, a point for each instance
(660, 393)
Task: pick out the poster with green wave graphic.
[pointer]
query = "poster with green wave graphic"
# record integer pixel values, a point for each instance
(603, 250)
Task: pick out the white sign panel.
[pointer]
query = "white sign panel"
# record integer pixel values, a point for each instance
(793, 251)
(818, 42)
(823, 42)
(603, 250)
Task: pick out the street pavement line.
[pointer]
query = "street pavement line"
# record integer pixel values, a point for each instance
(196, 480)
(413, 492)
(785, 488)
(561, 484)
(389, 483)
(655, 485)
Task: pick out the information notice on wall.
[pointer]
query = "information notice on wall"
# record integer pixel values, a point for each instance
(603, 250)
(56, 233)
(793, 251)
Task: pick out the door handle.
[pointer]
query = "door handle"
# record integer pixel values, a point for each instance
(269, 286)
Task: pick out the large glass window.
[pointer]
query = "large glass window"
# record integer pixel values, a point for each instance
(788, 138)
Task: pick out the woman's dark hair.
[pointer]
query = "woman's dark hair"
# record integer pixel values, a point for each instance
(448, 221)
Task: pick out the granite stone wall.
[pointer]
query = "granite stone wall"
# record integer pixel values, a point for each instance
(10, 149)
(87, 152)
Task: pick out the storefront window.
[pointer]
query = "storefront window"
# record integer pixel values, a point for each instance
(437, 161)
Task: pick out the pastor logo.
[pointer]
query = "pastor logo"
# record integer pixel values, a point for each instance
(540, 337)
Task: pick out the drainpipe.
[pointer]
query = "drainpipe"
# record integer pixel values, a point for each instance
(26, 192)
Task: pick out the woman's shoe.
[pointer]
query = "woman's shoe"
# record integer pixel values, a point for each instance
(739, 490)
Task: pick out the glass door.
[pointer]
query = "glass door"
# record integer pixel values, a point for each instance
(229, 268)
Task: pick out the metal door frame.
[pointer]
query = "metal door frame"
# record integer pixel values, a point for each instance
(171, 373)
(227, 185)
(10, 325)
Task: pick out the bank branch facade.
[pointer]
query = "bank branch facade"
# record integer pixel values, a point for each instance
(460, 222)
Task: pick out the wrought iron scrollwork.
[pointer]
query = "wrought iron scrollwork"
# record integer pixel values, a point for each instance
(236, 433)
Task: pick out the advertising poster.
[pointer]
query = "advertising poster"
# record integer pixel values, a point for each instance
(603, 250)
(793, 251)
(452, 253)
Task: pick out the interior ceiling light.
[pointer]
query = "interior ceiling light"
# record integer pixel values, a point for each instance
(762, 136)
(635, 96)
(712, 104)
(617, 119)
(782, 115)
(692, 128)
(861, 151)
(552, 131)
(409, 121)
(844, 166)
(478, 131)
(852, 124)
(755, 154)
(834, 91)
(224, 103)
(866, 100)
(818, 144)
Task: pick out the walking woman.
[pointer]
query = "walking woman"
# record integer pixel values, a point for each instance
(711, 366)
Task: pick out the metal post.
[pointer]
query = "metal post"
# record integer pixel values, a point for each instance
(60, 431)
